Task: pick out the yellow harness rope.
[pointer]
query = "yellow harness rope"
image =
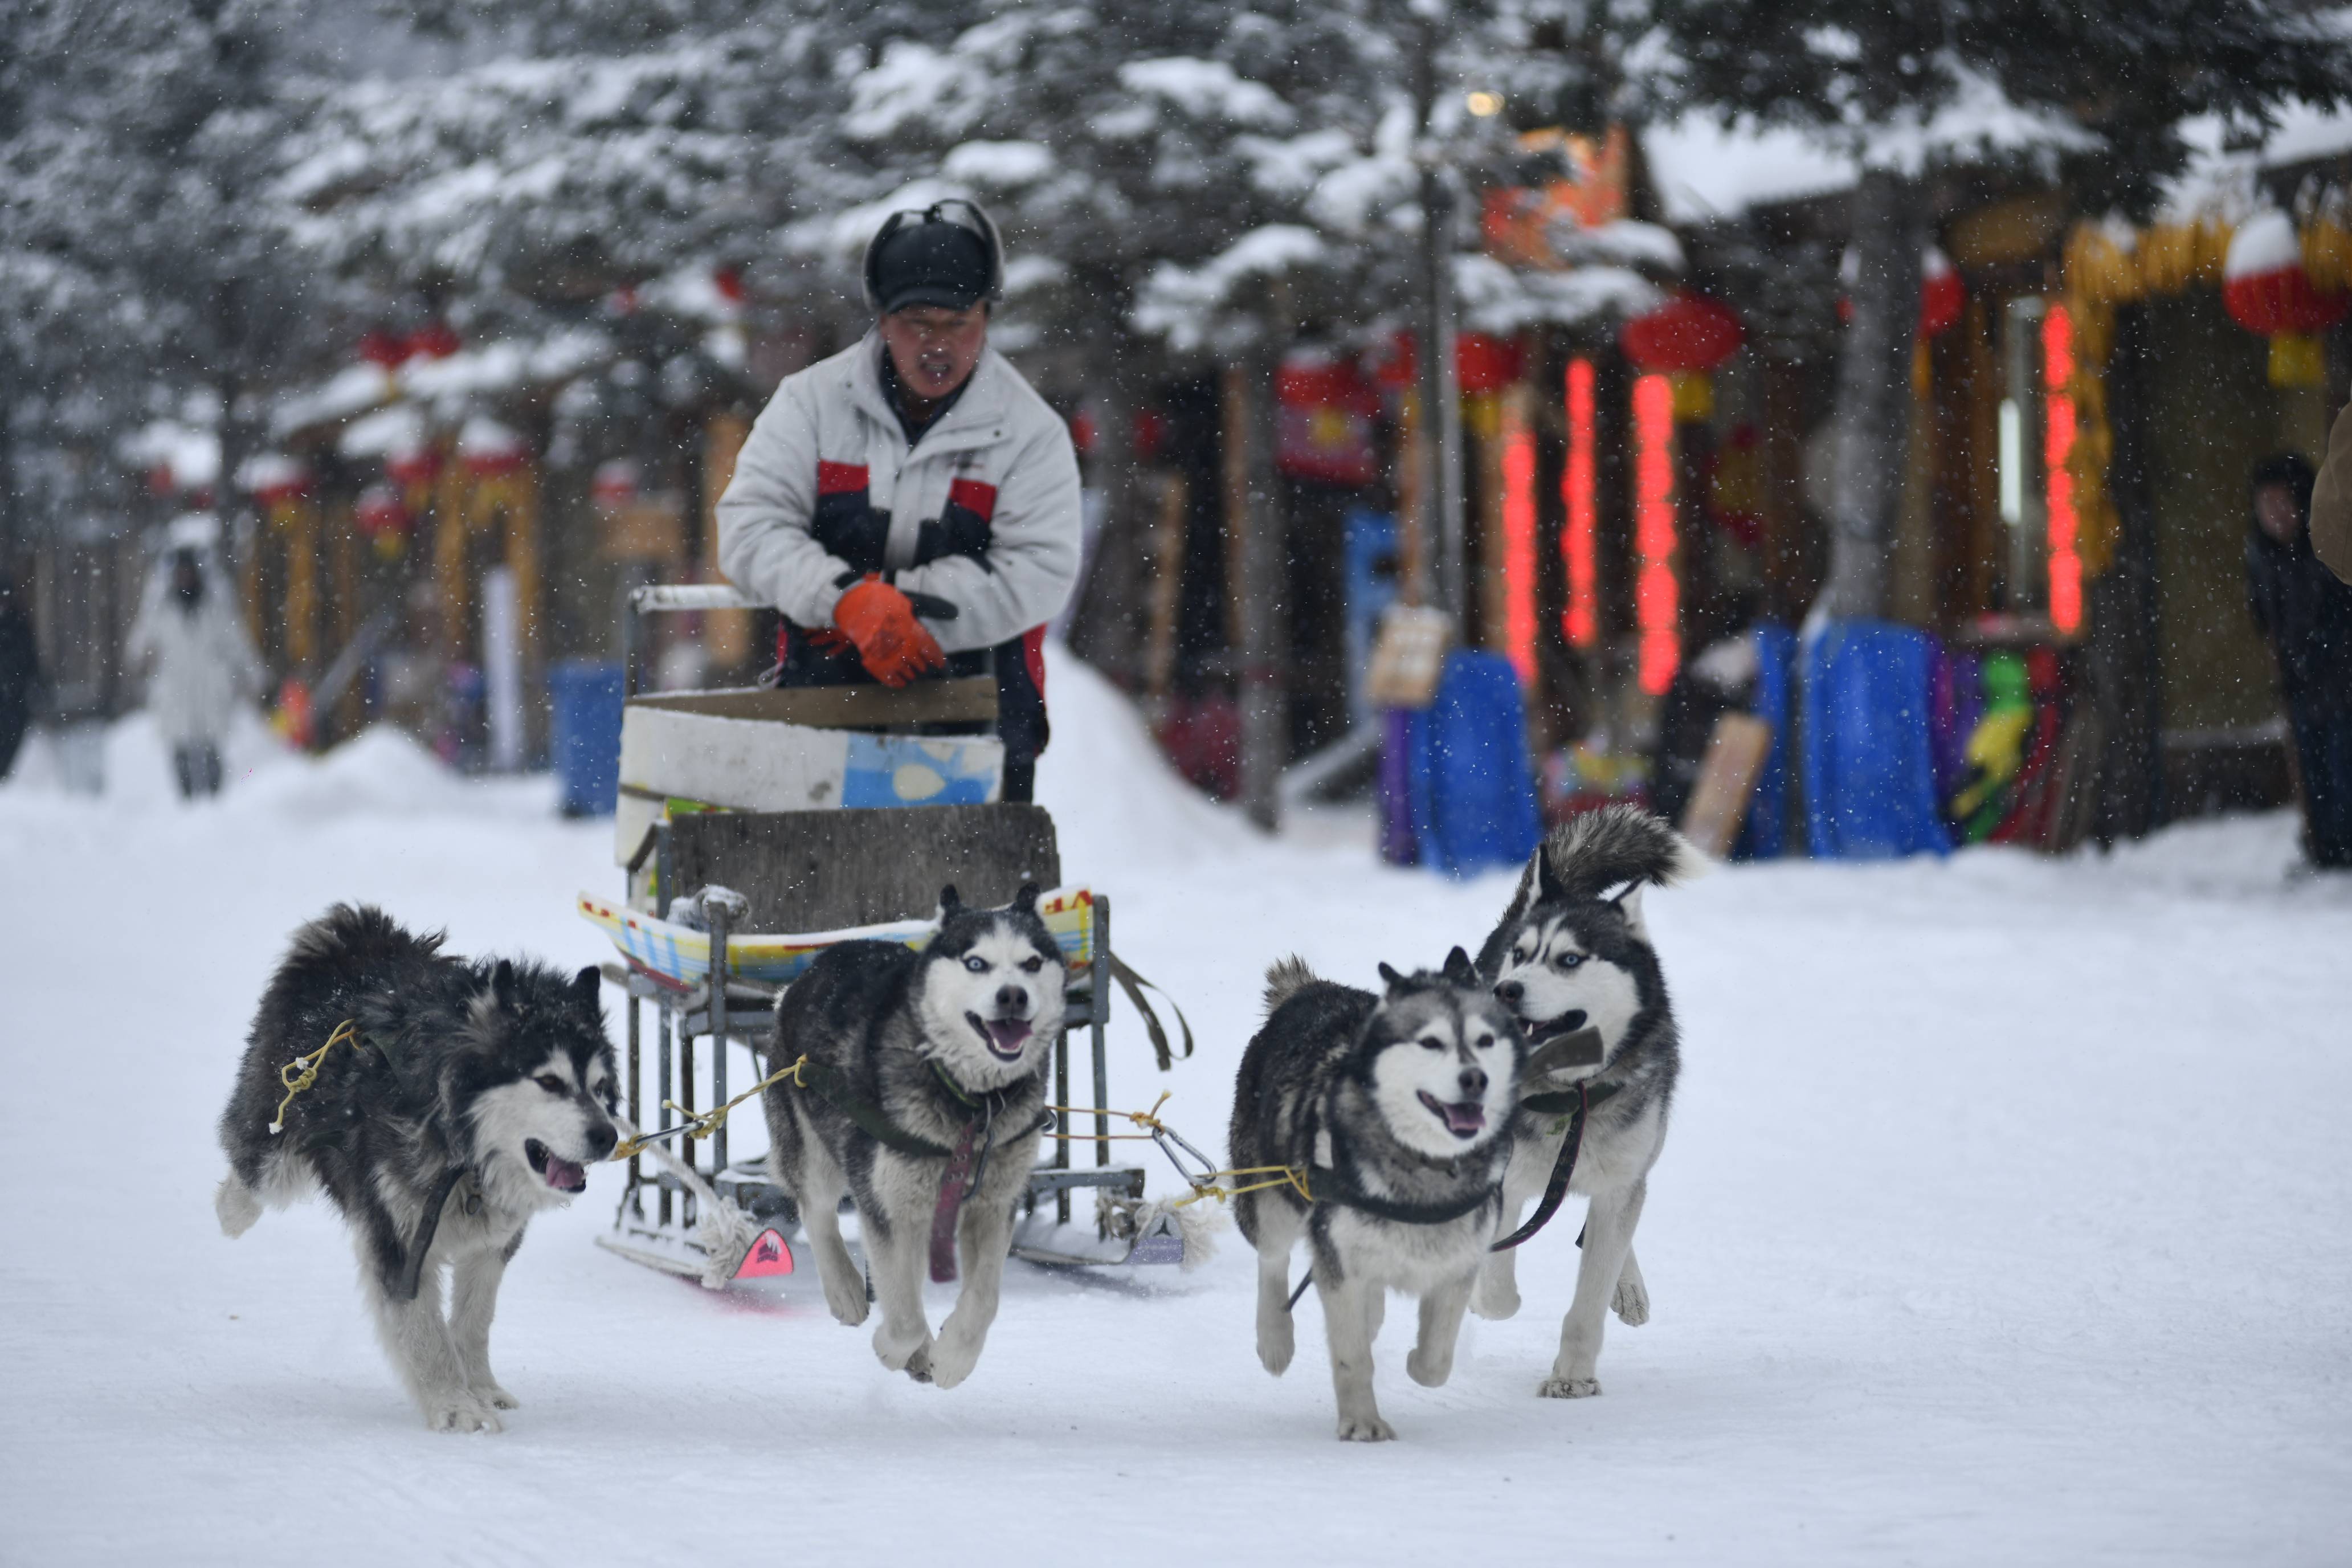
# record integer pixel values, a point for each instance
(303, 1070)
(703, 1123)
(1204, 1186)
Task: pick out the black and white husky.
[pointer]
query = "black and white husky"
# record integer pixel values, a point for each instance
(922, 1101)
(467, 1097)
(1399, 1107)
(1573, 960)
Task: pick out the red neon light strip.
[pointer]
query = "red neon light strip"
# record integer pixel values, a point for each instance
(1519, 545)
(1582, 620)
(1657, 596)
(2058, 443)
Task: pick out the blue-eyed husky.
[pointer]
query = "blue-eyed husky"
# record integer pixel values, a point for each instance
(1398, 1109)
(465, 1097)
(1573, 960)
(921, 1100)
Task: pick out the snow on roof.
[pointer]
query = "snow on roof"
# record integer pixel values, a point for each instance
(482, 436)
(352, 390)
(269, 470)
(2222, 182)
(192, 455)
(1704, 170)
(399, 428)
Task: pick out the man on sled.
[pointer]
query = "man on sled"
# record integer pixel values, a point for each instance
(911, 504)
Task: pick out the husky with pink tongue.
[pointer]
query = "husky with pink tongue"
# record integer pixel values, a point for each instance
(1395, 1113)
(447, 1102)
(921, 1101)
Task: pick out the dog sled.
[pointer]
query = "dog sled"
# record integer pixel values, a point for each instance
(757, 826)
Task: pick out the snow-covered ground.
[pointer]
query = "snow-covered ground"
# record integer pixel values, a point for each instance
(2004, 1219)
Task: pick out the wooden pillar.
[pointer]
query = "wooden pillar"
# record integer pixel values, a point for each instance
(1254, 517)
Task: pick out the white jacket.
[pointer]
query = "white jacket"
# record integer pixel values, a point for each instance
(204, 663)
(982, 512)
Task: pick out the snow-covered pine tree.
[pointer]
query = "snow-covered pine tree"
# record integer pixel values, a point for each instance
(140, 250)
(2089, 90)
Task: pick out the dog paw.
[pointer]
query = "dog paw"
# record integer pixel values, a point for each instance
(458, 1410)
(848, 1299)
(952, 1360)
(1631, 1302)
(918, 1366)
(1568, 1388)
(1494, 1301)
(1276, 1343)
(236, 1205)
(491, 1394)
(901, 1357)
(1365, 1429)
(1430, 1371)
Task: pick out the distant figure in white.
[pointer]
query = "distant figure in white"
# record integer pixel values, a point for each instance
(200, 664)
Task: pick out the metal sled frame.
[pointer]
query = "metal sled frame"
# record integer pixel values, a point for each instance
(725, 1007)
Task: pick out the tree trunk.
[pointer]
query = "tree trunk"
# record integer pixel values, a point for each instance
(1107, 630)
(1873, 394)
(1254, 505)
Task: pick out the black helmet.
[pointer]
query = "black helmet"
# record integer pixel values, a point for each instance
(946, 254)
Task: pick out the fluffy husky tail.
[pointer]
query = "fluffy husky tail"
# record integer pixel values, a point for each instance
(1287, 979)
(362, 937)
(1615, 847)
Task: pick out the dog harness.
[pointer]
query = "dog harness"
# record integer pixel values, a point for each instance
(966, 1163)
(1577, 1102)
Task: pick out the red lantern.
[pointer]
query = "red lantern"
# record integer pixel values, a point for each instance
(2266, 290)
(1483, 363)
(273, 478)
(615, 485)
(1690, 335)
(436, 339)
(1684, 339)
(1323, 413)
(1393, 364)
(1151, 434)
(1082, 432)
(729, 284)
(383, 520)
(1942, 294)
(487, 449)
(413, 468)
(381, 347)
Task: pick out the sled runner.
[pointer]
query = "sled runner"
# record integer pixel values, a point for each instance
(731, 898)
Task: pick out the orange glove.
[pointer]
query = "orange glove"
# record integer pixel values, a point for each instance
(893, 645)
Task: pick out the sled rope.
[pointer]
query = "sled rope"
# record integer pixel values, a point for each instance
(1291, 1176)
(703, 1123)
(303, 1070)
(1147, 1120)
(1204, 1183)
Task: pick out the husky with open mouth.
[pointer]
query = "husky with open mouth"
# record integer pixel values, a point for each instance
(456, 1099)
(1573, 960)
(1398, 1110)
(921, 1100)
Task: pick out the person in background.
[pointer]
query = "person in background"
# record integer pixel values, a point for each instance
(911, 504)
(200, 664)
(2305, 610)
(20, 671)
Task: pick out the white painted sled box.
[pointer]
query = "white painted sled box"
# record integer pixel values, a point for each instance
(674, 758)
